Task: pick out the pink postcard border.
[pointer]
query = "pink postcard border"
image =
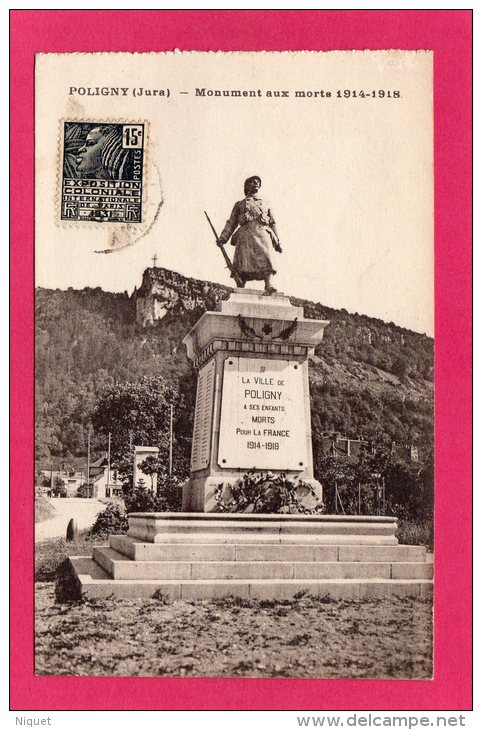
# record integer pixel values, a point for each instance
(449, 34)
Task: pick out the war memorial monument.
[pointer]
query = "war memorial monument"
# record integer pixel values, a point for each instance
(252, 420)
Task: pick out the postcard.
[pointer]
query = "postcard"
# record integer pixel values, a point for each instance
(235, 297)
(328, 398)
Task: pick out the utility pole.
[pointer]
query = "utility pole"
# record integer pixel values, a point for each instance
(108, 464)
(88, 463)
(171, 420)
(132, 457)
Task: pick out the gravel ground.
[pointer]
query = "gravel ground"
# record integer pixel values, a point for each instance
(306, 637)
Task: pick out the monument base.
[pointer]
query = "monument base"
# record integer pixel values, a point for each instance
(198, 493)
(194, 556)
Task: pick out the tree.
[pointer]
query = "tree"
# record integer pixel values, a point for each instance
(408, 486)
(151, 466)
(410, 490)
(59, 487)
(168, 490)
(345, 482)
(139, 413)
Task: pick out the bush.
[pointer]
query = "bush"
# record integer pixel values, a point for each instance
(111, 521)
(67, 588)
(167, 499)
(59, 489)
(412, 532)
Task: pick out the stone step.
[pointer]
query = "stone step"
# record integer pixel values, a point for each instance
(253, 517)
(121, 567)
(158, 527)
(268, 538)
(94, 582)
(247, 552)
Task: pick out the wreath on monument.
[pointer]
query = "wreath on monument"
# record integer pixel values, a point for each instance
(256, 492)
(267, 330)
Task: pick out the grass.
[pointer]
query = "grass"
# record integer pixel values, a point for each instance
(43, 509)
(50, 555)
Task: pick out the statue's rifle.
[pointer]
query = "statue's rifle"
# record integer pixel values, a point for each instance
(229, 264)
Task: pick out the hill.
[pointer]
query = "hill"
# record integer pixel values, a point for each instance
(367, 377)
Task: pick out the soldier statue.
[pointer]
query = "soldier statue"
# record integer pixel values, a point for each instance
(252, 230)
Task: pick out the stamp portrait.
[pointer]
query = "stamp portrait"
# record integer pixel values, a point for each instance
(102, 172)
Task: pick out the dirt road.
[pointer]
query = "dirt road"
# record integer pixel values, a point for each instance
(84, 512)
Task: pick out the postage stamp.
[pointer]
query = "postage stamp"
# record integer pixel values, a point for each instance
(102, 172)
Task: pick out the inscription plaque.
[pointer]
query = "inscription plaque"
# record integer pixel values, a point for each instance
(263, 422)
(203, 418)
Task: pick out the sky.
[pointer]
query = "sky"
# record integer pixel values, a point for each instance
(349, 178)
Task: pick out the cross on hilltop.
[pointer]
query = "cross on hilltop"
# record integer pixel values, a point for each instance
(154, 261)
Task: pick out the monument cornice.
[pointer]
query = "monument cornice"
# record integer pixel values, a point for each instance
(250, 347)
(251, 322)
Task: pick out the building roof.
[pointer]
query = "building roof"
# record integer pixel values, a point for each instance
(101, 461)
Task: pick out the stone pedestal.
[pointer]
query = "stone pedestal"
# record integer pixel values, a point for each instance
(252, 403)
(270, 557)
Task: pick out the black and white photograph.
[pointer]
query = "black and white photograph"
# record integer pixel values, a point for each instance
(234, 364)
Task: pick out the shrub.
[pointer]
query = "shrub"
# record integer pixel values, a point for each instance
(411, 532)
(111, 521)
(142, 500)
(167, 498)
(59, 489)
(67, 588)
